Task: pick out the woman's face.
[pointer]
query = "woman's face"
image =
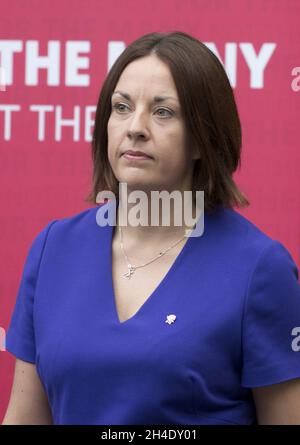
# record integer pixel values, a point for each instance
(157, 128)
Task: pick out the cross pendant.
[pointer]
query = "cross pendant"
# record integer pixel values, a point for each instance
(131, 269)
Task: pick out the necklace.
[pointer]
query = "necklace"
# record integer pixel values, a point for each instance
(131, 268)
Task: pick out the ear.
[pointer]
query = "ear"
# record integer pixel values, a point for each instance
(193, 151)
(196, 155)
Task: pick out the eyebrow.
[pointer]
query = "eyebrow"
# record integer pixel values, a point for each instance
(156, 99)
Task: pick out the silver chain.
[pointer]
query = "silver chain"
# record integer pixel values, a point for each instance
(132, 268)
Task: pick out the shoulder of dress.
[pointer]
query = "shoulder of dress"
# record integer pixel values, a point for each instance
(77, 222)
(238, 231)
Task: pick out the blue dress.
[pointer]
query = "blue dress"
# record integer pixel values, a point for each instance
(236, 297)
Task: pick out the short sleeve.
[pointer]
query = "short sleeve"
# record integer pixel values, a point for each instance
(271, 320)
(20, 336)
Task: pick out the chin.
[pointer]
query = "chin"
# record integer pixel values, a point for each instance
(137, 183)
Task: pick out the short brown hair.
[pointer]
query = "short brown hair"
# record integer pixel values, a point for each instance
(208, 108)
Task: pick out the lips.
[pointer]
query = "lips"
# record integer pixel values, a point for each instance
(137, 154)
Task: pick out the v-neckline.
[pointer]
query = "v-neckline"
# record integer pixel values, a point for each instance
(163, 283)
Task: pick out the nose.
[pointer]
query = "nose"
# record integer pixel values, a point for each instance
(137, 127)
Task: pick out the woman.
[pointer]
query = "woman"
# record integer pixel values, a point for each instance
(141, 324)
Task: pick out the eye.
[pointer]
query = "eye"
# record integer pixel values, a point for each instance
(117, 106)
(165, 109)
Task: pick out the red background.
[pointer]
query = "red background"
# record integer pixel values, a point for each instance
(45, 180)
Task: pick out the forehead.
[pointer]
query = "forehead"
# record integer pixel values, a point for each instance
(149, 75)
